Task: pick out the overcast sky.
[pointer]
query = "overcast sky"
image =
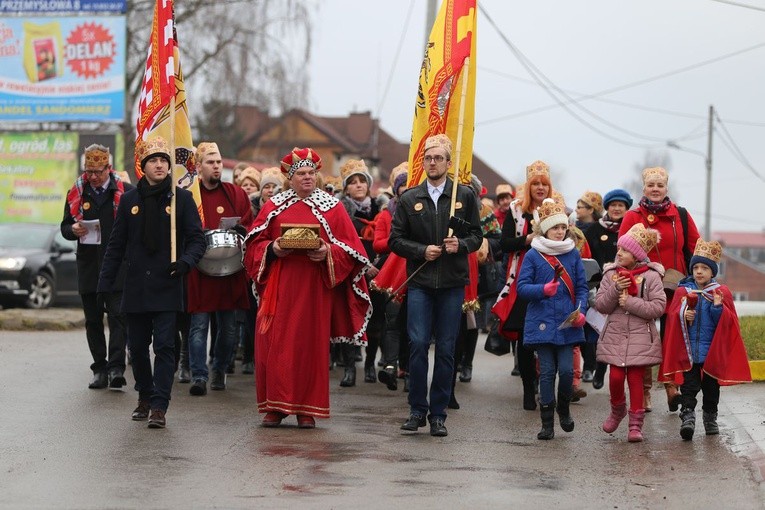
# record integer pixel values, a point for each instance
(584, 47)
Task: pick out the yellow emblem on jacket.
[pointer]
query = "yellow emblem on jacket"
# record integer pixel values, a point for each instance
(458, 205)
(418, 206)
(167, 209)
(86, 206)
(219, 209)
(134, 210)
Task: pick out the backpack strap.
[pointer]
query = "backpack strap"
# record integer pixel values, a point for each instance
(683, 212)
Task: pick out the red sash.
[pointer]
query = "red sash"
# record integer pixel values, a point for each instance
(563, 274)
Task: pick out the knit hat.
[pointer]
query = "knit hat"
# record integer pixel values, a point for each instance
(156, 146)
(402, 168)
(536, 169)
(442, 141)
(549, 214)
(398, 182)
(205, 148)
(250, 173)
(355, 167)
(272, 175)
(708, 253)
(96, 156)
(503, 189)
(639, 241)
(298, 158)
(476, 184)
(593, 200)
(617, 195)
(655, 173)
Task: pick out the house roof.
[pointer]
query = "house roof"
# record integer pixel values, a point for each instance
(741, 239)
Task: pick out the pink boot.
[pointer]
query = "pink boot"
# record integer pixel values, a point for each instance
(635, 434)
(618, 412)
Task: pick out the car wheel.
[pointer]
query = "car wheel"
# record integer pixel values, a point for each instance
(41, 292)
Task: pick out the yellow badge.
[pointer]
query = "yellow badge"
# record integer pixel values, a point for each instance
(167, 209)
(418, 206)
(219, 209)
(638, 280)
(134, 210)
(614, 277)
(651, 219)
(604, 237)
(458, 205)
(86, 206)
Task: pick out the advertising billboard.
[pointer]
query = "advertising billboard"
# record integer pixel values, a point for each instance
(62, 69)
(62, 6)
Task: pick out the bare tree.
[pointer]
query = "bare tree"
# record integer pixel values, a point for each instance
(650, 159)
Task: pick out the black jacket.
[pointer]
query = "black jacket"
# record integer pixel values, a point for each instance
(602, 245)
(416, 225)
(149, 286)
(90, 256)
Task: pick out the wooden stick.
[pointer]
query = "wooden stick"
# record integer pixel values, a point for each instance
(458, 152)
(173, 227)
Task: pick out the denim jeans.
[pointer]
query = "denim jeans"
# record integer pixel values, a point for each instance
(552, 359)
(159, 329)
(225, 342)
(432, 313)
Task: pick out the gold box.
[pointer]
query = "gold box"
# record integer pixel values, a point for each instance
(300, 236)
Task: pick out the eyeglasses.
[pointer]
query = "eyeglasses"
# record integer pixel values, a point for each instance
(95, 172)
(438, 159)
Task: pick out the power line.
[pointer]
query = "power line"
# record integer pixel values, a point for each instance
(738, 4)
(730, 143)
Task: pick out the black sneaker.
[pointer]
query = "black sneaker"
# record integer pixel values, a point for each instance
(414, 422)
(218, 381)
(199, 388)
(437, 428)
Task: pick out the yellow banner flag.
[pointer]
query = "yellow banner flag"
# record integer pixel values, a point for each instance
(440, 92)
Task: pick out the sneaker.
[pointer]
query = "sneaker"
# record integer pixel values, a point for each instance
(141, 413)
(157, 419)
(218, 381)
(199, 388)
(437, 428)
(414, 422)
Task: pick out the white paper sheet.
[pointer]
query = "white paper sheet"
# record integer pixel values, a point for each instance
(93, 236)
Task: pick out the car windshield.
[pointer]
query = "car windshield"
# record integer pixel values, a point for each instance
(24, 236)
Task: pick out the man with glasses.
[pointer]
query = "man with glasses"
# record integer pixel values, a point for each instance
(96, 195)
(437, 263)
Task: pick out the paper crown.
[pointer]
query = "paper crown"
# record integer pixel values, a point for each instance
(401, 168)
(503, 189)
(96, 156)
(639, 241)
(205, 148)
(251, 173)
(333, 181)
(709, 249)
(272, 175)
(156, 146)
(299, 158)
(594, 200)
(355, 167)
(549, 214)
(536, 169)
(655, 173)
(440, 140)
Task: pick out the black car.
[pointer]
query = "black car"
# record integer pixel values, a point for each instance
(37, 265)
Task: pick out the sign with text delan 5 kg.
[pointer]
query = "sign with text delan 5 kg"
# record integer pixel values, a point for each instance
(62, 69)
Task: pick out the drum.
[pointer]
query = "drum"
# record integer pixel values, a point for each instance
(223, 255)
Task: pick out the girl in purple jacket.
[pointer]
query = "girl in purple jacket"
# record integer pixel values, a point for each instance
(632, 295)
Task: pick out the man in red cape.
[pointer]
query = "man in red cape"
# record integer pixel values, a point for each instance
(307, 298)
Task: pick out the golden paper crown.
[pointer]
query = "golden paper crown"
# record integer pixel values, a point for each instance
(503, 189)
(96, 156)
(536, 169)
(440, 140)
(250, 173)
(272, 175)
(205, 148)
(594, 200)
(647, 238)
(333, 180)
(711, 250)
(353, 166)
(154, 146)
(401, 168)
(551, 207)
(655, 173)
(557, 196)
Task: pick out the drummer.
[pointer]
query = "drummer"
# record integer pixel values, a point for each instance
(219, 295)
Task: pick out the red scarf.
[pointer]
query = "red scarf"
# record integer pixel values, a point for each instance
(632, 290)
(74, 197)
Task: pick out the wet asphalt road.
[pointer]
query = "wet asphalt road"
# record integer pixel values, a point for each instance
(64, 446)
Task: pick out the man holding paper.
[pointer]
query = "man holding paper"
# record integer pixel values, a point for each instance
(89, 212)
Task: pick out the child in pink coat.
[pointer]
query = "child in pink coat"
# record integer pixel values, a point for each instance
(632, 295)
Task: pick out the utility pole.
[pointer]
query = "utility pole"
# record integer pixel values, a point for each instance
(708, 204)
(430, 17)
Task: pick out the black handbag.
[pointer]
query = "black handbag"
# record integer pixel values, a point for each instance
(496, 343)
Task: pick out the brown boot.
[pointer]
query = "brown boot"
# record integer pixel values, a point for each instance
(647, 384)
(673, 396)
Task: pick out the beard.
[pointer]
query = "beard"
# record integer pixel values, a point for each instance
(214, 181)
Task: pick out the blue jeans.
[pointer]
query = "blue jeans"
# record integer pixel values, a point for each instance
(432, 312)
(225, 342)
(144, 329)
(552, 359)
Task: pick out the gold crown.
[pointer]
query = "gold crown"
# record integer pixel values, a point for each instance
(96, 156)
(440, 140)
(655, 173)
(272, 175)
(709, 249)
(401, 168)
(353, 166)
(250, 173)
(503, 189)
(647, 238)
(551, 207)
(536, 169)
(205, 148)
(156, 145)
(594, 200)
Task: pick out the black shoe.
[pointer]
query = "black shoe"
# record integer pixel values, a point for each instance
(587, 376)
(248, 367)
(369, 374)
(515, 372)
(199, 388)
(349, 377)
(597, 382)
(184, 375)
(218, 381)
(116, 379)
(388, 377)
(100, 381)
(466, 374)
(141, 412)
(157, 419)
(413, 423)
(381, 363)
(437, 428)
(688, 425)
(453, 404)
(231, 368)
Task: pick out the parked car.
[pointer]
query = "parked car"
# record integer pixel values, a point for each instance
(37, 265)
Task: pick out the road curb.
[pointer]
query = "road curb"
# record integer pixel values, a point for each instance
(53, 319)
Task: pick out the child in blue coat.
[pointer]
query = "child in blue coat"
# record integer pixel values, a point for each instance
(552, 280)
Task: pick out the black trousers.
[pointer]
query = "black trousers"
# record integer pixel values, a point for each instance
(159, 330)
(94, 306)
(375, 328)
(695, 380)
